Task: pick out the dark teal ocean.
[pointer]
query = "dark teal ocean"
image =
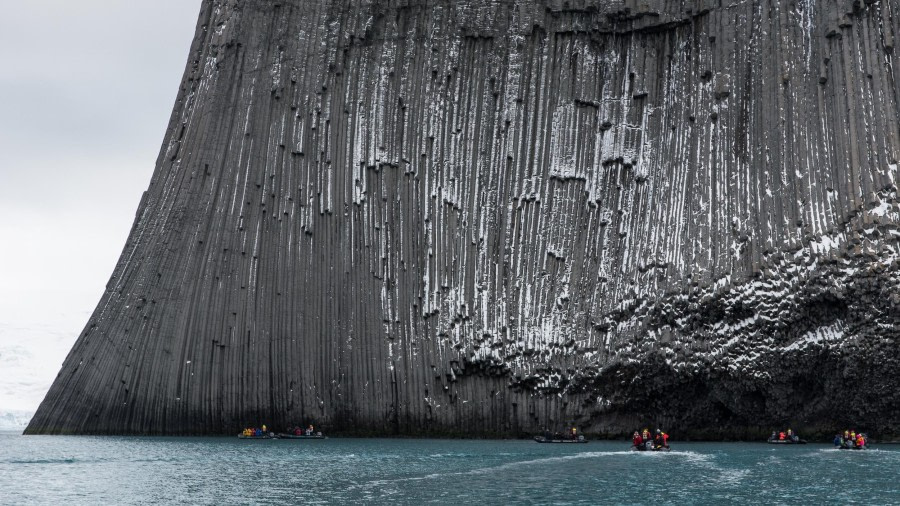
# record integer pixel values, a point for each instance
(136, 470)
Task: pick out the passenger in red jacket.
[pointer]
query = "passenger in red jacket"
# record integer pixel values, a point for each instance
(637, 440)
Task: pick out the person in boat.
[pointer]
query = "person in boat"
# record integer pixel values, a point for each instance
(838, 440)
(781, 436)
(793, 437)
(647, 438)
(860, 440)
(658, 439)
(661, 440)
(637, 440)
(298, 431)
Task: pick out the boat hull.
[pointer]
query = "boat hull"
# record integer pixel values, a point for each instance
(642, 449)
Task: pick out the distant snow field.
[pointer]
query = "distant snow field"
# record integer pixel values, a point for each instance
(30, 357)
(14, 420)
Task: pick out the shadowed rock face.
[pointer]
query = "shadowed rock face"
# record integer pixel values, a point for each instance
(488, 217)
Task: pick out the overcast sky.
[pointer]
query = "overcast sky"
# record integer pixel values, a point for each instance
(86, 89)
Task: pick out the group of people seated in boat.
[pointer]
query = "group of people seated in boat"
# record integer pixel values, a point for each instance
(255, 432)
(850, 439)
(788, 436)
(658, 441)
(308, 431)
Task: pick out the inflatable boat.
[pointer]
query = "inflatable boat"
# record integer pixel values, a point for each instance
(542, 439)
(648, 446)
(786, 442)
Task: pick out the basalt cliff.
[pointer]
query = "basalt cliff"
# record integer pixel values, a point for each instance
(487, 217)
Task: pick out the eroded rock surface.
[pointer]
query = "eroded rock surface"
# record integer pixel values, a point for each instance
(488, 217)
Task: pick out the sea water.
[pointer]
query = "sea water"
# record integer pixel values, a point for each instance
(143, 470)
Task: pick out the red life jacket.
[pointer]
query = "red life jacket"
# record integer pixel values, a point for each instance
(781, 436)
(637, 441)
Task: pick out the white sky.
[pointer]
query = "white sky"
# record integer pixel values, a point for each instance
(86, 89)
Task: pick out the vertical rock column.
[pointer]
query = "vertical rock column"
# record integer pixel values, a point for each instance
(491, 217)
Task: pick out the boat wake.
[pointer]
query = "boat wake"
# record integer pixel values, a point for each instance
(688, 455)
(867, 451)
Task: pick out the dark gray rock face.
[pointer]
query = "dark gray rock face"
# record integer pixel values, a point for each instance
(488, 217)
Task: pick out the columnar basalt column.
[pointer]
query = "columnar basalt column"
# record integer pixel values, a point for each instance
(490, 217)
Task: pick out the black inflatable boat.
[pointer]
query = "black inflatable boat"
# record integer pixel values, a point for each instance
(786, 442)
(542, 439)
(648, 446)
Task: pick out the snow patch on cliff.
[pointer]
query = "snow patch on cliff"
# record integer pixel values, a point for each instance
(822, 336)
